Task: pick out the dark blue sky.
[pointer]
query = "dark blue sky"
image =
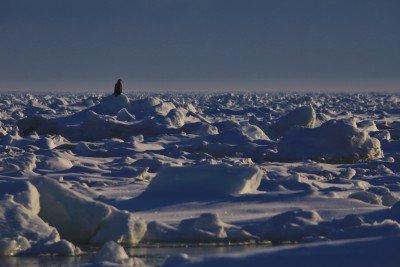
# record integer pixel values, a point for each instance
(200, 44)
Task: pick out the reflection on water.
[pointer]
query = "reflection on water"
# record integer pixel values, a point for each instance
(152, 255)
(46, 261)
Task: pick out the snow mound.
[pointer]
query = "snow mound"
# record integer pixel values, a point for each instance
(367, 125)
(175, 118)
(24, 233)
(124, 115)
(11, 138)
(367, 197)
(111, 252)
(82, 220)
(110, 105)
(11, 247)
(334, 141)
(208, 227)
(61, 247)
(253, 132)
(203, 181)
(55, 163)
(20, 165)
(289, 226)
(16, 220)
(294, 182)
(302, 116)
(23, 193)
(200, 128)
(238, 141)
(116, 116)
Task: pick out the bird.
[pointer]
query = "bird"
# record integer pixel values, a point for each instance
(118, 88)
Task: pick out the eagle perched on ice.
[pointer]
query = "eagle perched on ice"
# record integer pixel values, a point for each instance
(118, 87)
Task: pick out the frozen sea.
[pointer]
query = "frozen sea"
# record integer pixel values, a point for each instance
(229, 179)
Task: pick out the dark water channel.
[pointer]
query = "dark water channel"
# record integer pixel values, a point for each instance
(151, 255)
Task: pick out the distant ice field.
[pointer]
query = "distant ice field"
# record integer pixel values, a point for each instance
(317, 172)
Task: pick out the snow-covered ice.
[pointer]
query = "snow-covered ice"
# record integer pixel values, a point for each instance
(82, 220)
(318, 172)
(200, 181)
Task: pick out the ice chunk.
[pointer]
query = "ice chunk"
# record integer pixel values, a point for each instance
(59, 102)
(207, 223)
(367, 125)
(365, 229)
(120, 226)
(200, 128)
(204, 181)
(383, 170)
(164, 108)
(334, 141)
(161, 232)
(175, 118)
(82, 220)
(20, 165)
(111, 252)
(389, 199)
(55, 164)
(11, 247)
(45, 143)
(124, 115)
(18, 221)
(23, 192)
(295, 182)
(110, 105)
(253, 132)
(62, 247)
(290, 226)
(146, 103)
(367, 197)
(302, 116)
(349, 173)
(208, 227)
(11, 137)
(117, 116)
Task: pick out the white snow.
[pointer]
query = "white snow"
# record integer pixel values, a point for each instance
(208, 227)
(334, 141)
(302, 116)
(16, 220)
(82, 220)
(319, 172)
(20, 165)
(24, 233)
(111, 252)
(23, 193)
(204, 181)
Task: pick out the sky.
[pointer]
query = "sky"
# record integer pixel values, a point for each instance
(194, 45)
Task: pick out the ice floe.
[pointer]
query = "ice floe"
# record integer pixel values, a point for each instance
(317, 171)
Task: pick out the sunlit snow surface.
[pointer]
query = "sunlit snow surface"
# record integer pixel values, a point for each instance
(318, 171)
